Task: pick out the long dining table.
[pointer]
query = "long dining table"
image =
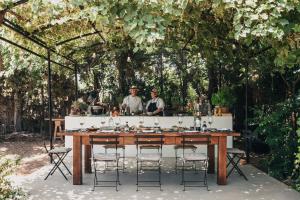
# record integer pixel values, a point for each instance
(170, 138)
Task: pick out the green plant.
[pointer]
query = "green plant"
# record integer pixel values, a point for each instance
(7, 191)
(79, 106)
(275, 124)
(224, 97)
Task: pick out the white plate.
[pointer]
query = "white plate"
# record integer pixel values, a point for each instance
(148, 131)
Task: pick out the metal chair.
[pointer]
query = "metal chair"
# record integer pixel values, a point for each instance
(120, 146)
(194, 157)
(60, 153)
(180, 147)
(105, 157)
(153, 158)
(234, 156)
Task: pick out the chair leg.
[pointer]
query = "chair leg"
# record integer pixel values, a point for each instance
(123, 167)
(117, 178)
(176, 161)
(137, 175)
(182, 175)
(159, 175)
(235, 165)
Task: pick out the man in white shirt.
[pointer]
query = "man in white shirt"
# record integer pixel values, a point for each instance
(156, 105)
(133, 103)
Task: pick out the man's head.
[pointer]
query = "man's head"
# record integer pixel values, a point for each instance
(154, 93)
(133, 90)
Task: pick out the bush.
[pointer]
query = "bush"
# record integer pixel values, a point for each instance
(7, 191)
(275, 124)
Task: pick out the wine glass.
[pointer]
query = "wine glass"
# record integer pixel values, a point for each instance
(81, 122)
(102, 121)
(156, 124)
(210, 121)
(180, 120)
(141, 121)
(117, 122)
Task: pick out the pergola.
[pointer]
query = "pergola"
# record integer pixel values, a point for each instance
(90, 37)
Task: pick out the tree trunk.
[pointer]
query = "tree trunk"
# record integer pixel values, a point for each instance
(212, 81)
(121, 67)
(17, 112)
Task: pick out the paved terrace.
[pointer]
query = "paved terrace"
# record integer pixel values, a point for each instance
(259, 187)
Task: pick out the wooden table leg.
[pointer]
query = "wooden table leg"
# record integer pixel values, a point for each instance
(222, 151)
(211, 161)
(77, 160)
(87, 159)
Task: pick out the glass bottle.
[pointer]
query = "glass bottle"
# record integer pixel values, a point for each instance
(204, 126)
(110, 120)
(126, 128)
(197, 124)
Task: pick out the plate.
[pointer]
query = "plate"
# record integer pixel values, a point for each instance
(148, 131)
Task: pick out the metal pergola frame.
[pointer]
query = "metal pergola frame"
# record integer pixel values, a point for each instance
(33, 38)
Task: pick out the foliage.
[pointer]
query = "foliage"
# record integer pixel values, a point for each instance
(79, 106)
(296, 171)
(7, 191)
(275, 124)
(224, 97)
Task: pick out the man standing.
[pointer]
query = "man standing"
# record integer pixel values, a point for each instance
(132, 103)
(156, 105)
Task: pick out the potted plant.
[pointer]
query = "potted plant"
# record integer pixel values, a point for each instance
(223, 99)
(78, 107)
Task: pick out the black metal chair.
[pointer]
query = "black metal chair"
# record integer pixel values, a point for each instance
(194, 157)
(177, 157)
(153, 158)
(120, 146)
(234, 156)
(60, 153)
(109, 139)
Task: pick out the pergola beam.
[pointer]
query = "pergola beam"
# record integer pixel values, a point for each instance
(75, 38)
(34, 39)
(32, 52)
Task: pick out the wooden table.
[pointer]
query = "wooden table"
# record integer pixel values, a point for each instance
(82, 138)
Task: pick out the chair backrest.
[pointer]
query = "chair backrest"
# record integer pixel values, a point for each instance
(107, 139)
(149, 139)
(187, 139)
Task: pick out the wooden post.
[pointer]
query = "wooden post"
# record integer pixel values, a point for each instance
(222, 152)
(77, 160)
(211, 161)
(87, 159)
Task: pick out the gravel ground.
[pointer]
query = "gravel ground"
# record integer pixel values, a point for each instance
(29, 148)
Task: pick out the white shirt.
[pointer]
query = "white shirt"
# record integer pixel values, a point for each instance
(159, 103)
(134, 103)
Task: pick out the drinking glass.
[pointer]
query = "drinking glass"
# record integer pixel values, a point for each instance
(141, 121)
(81, 122)
(180, 120)
(102, 121)
(117, 122)
(210, 121)
(156, 122)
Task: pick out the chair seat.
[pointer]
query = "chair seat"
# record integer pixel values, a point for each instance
(106, 157)
(149, 146)
(112, 146)
(149, 157)
(235, 151)
(60, 150)
(180, 146)
(194, 157)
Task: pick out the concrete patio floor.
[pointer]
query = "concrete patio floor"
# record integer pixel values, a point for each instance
(259, 187)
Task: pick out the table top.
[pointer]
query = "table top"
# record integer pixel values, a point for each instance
(133, 133)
